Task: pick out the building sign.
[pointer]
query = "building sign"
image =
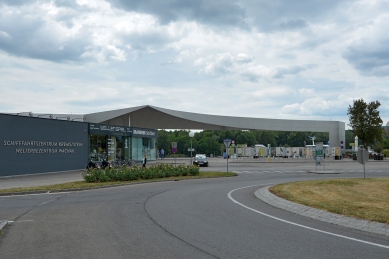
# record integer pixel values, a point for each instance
(109, 129)
(121, 131)
(43, 147)
(30, 145)
(138, 132)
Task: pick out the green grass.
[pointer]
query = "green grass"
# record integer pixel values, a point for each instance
(81, 185)
(359, 198)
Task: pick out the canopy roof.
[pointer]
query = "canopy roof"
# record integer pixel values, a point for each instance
(153, 117)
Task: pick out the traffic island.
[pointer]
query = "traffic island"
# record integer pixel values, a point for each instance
(319, 214)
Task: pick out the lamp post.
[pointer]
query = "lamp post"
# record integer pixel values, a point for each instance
(356, 143)
(227, 143)
(191, 135)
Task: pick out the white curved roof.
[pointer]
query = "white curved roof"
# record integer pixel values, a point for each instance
(153, 117)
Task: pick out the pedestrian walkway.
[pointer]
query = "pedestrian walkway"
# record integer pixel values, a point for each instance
(40, 179)
(304, 171)
(269, 172)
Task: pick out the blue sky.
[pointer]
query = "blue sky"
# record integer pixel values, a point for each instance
(303, 59)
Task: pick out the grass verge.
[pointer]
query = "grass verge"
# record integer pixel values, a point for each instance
(85, 185)
(359, 198)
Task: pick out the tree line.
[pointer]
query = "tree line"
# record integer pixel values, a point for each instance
(365, 122)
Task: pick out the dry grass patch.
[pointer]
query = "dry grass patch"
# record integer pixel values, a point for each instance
(359, 198)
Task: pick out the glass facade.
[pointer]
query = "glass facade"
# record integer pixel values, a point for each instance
(118, 143)
(143, 146)
(97, 147)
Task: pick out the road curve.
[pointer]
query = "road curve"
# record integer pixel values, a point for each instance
(182, 219)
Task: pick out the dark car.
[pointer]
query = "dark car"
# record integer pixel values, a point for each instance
(200, 160)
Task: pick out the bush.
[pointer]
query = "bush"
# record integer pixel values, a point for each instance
(135, 173)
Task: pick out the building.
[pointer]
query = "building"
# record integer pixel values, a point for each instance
(41, 143)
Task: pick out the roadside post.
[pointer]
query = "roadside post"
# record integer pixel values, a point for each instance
(355, 147)
(174, 151)
(234, 148)
(268, 152)
(319, 155)
(227, 143)
(191, 135)
(362, 157)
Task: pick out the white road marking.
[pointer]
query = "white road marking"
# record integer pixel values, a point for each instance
(298, 225)
(27, 220)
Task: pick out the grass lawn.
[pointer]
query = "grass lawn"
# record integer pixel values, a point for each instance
(86, 185)
(359, 198)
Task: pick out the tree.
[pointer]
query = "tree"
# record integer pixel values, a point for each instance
(163, 140)
(365, 121)
(385, 143)
(349, 138)
(245, 137)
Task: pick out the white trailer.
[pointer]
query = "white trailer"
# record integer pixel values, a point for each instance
(280, 151)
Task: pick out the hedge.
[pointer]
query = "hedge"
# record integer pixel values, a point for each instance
(138, 173)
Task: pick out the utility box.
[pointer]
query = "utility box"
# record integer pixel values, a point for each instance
(336, 153)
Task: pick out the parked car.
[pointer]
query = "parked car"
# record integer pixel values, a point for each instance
(200, 160)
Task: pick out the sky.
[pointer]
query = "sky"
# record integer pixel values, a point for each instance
(281, 59)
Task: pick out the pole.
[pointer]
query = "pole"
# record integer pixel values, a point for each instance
(364, 169)
(191, 151)
(227, 157)
(191, 135)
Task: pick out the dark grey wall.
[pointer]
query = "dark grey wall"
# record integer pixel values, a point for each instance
(36, 145)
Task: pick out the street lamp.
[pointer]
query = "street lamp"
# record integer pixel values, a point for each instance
(356, 143)
(191, 135)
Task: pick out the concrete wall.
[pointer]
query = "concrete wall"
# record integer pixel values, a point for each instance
(30, 145)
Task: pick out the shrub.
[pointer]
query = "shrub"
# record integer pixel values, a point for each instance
(135, 172)
(194, 170)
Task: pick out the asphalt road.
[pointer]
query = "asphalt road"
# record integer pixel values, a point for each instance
(206, 218)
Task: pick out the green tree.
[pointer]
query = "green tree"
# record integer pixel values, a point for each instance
(385, 136)
(163, 140)
(365, 121)
(266, 137)
(282, 138)
(245, 137)
(349, 138)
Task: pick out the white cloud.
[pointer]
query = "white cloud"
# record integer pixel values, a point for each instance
(219, 64)
(306, 91)
(295, 60)
(244, 58)
(316, 106)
